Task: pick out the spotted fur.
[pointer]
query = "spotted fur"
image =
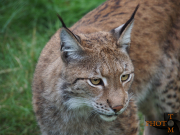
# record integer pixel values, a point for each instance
(63, 99)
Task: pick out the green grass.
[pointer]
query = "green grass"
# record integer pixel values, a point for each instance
(25, 28)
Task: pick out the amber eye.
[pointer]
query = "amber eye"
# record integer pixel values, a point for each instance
(95, 81)
(124, 77)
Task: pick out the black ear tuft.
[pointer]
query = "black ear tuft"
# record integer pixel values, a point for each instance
(62, 22)
(130, 20)
(64, 25)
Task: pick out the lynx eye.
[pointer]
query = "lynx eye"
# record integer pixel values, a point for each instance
(96, 81)
(124, 77)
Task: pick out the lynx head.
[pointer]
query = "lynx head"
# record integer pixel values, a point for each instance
(97, 70)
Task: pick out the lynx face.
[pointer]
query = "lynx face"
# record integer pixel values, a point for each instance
(97, 71)
(99, 86)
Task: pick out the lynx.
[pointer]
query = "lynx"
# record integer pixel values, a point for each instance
(82, 80)
(86, 75)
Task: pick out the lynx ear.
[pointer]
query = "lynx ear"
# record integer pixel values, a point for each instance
(125, 38)
(70, 44)
(70, 47)
(123, 32)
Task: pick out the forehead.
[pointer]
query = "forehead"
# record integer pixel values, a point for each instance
(98, 40)
(111, 64)
(104, 57)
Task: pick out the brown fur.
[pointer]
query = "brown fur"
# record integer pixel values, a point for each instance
(154, 52)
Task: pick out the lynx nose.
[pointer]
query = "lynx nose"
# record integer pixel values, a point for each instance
(117, 108)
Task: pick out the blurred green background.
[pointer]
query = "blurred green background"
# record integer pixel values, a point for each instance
(25, 28)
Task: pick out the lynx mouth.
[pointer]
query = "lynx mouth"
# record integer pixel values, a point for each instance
(108, 117)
